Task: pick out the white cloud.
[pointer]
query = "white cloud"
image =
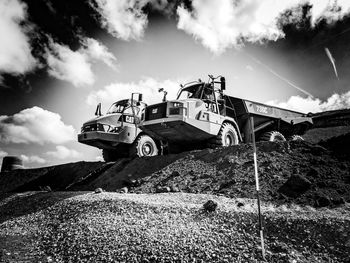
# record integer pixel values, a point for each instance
(249, 67)
(297, 103)
(63, 152)
(97, 51)
(68, 65)
(221, 24)
(2, 155)
(99, 159)
(35, 125)
(331, 10)
(15, 50)
(76, 66)
(33, 159)
(123, 18)
(148, 87)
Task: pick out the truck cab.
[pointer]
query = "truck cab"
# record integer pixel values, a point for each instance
(117, 132)
(198, 114)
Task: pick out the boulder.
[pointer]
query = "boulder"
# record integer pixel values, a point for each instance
(124, 190)
(295, 186)
(98, 190)
(210, 206)
(174, 189)
(323, 201)
(163, 189)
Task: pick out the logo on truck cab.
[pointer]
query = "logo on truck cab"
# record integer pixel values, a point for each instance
(154, 111)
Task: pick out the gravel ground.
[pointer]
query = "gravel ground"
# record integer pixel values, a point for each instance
(171, 227)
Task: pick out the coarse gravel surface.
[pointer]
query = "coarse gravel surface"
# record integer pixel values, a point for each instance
(166, 227)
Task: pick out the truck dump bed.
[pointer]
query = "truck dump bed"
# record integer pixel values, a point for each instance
(241, 110)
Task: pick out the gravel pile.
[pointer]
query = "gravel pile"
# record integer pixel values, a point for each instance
(110, 227)
(297, 172)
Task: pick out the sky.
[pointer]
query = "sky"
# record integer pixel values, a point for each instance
(59, 58)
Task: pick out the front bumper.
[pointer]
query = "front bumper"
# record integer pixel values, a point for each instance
(102, 140)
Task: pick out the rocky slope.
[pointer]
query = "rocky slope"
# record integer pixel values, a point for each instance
(298, 172)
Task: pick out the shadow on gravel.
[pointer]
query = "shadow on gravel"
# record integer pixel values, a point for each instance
(19, 204)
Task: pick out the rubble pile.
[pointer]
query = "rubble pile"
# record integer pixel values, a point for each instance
(297, 172)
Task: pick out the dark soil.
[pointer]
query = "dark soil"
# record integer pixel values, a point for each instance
(296, 172)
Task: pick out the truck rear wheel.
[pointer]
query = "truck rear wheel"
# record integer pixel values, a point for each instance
(272, 136)
(227, 136)
(296, 138)
(144, 146)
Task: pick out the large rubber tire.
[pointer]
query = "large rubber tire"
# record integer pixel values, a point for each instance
(227, 136)
(109, 155)
(144, 146)
(272, 136)
(120, 151)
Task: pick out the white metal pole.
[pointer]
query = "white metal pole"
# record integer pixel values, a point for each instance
(261, 228)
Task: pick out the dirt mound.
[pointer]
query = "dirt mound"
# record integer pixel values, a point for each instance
(317, 135)
(332, 118)
(230, 172)
(124, 171)
(339, 145)
(298, 172)
(57, 177)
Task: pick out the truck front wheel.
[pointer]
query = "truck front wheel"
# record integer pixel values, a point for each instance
(145, 146)
(227, 136)
(109, 155)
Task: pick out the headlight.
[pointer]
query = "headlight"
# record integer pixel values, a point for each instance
(177, 104)
(111, 128)
(179, 110)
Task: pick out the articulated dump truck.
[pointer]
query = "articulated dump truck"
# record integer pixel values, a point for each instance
(117, 133)
(203, 116)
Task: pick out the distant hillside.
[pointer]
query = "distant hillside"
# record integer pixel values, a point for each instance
(331, 118)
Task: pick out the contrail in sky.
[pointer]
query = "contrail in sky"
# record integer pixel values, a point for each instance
(332, 60)
(280, 77)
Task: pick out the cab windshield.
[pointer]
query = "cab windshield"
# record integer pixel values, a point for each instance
(193, 91)
(122, 107)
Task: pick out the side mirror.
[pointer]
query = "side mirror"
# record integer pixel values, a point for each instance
(140, 97)
(223, 83)
(98, 110)
(137, 120)
(164, 92)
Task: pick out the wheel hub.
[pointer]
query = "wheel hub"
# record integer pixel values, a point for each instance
(147, 149)
(228, 140)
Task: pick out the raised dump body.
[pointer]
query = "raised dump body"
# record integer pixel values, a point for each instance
(266, 117)
(202, 113)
